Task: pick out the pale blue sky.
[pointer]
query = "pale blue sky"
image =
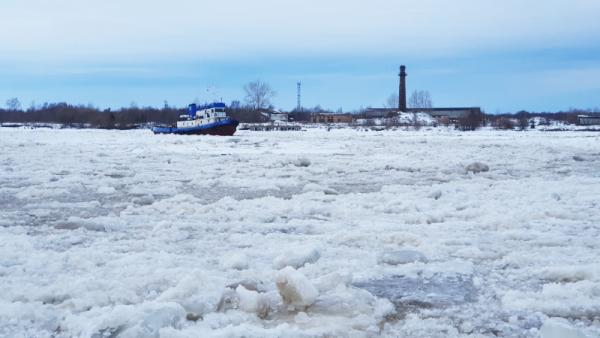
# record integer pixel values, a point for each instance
(500, 55)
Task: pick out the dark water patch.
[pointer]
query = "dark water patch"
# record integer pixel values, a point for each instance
(411, 294)
(216, 193)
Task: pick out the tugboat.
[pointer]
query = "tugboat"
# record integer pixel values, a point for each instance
(209, 119)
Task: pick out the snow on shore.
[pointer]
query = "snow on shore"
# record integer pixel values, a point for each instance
(124, 233)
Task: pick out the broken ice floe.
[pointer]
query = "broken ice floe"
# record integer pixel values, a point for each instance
(296, 259)
(477, 167)
(253, 302)
(302, 162)
(198, 294)
(401, 257)
(144, 320)
(560, 328)
(295, 289)
(236, 261)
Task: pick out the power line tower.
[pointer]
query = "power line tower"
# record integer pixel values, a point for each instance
(299, 106)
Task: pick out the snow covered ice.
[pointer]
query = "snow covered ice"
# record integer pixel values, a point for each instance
(381, 233)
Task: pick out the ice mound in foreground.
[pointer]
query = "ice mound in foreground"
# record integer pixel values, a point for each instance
(145, 320)
(575, 300)
(560, 328)
(198, 294)
(253, 302)
(295, 289)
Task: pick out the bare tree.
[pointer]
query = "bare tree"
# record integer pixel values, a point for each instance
(235, 104)
(13, 104)
(470, 121)
(419, 99)
(523, 119)
(258, 94)
(445, 121)
(505, 123)
(391, 102)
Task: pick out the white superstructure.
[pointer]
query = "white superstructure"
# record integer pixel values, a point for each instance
(203, 116)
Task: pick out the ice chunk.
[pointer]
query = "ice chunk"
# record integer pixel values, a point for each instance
(302, 162)
(154, 319)
(560, 328)
(229, 300)
(296, 259)
(236, 261)
(477, 167)
(253, 302)
(332, 280)
(77, 222)
(568, 273)
(401, 257)
(576, 299)
(301, 318)
(106, 190)
(198, 294)
(143, 320)
(435, 194)
(312, 187)
(295, 289)
(144, 200)
(249, 284)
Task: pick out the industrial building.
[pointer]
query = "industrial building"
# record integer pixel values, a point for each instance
(451, 114)
(331, 118)
(276, 116)
(587, 120)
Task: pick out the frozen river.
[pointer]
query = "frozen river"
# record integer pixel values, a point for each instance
(128, 234)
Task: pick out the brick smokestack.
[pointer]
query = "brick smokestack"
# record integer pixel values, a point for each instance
(402, 93)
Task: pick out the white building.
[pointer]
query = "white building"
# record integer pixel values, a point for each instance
(276, 116)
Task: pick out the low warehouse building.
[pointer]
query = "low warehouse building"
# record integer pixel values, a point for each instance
(586, 120)
(331, 118)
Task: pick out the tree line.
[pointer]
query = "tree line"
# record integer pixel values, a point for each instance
(257, 101)
(89, 116)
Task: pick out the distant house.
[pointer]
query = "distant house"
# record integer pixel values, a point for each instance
(276, 116)
(586, 120)
(331, 118)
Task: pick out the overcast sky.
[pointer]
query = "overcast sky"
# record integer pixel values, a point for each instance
(501, 55)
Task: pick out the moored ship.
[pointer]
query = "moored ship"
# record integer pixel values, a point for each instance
(210, 119)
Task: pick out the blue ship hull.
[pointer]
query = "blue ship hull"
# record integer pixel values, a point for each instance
(226, 127)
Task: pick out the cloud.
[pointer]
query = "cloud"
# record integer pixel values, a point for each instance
(195, 30)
